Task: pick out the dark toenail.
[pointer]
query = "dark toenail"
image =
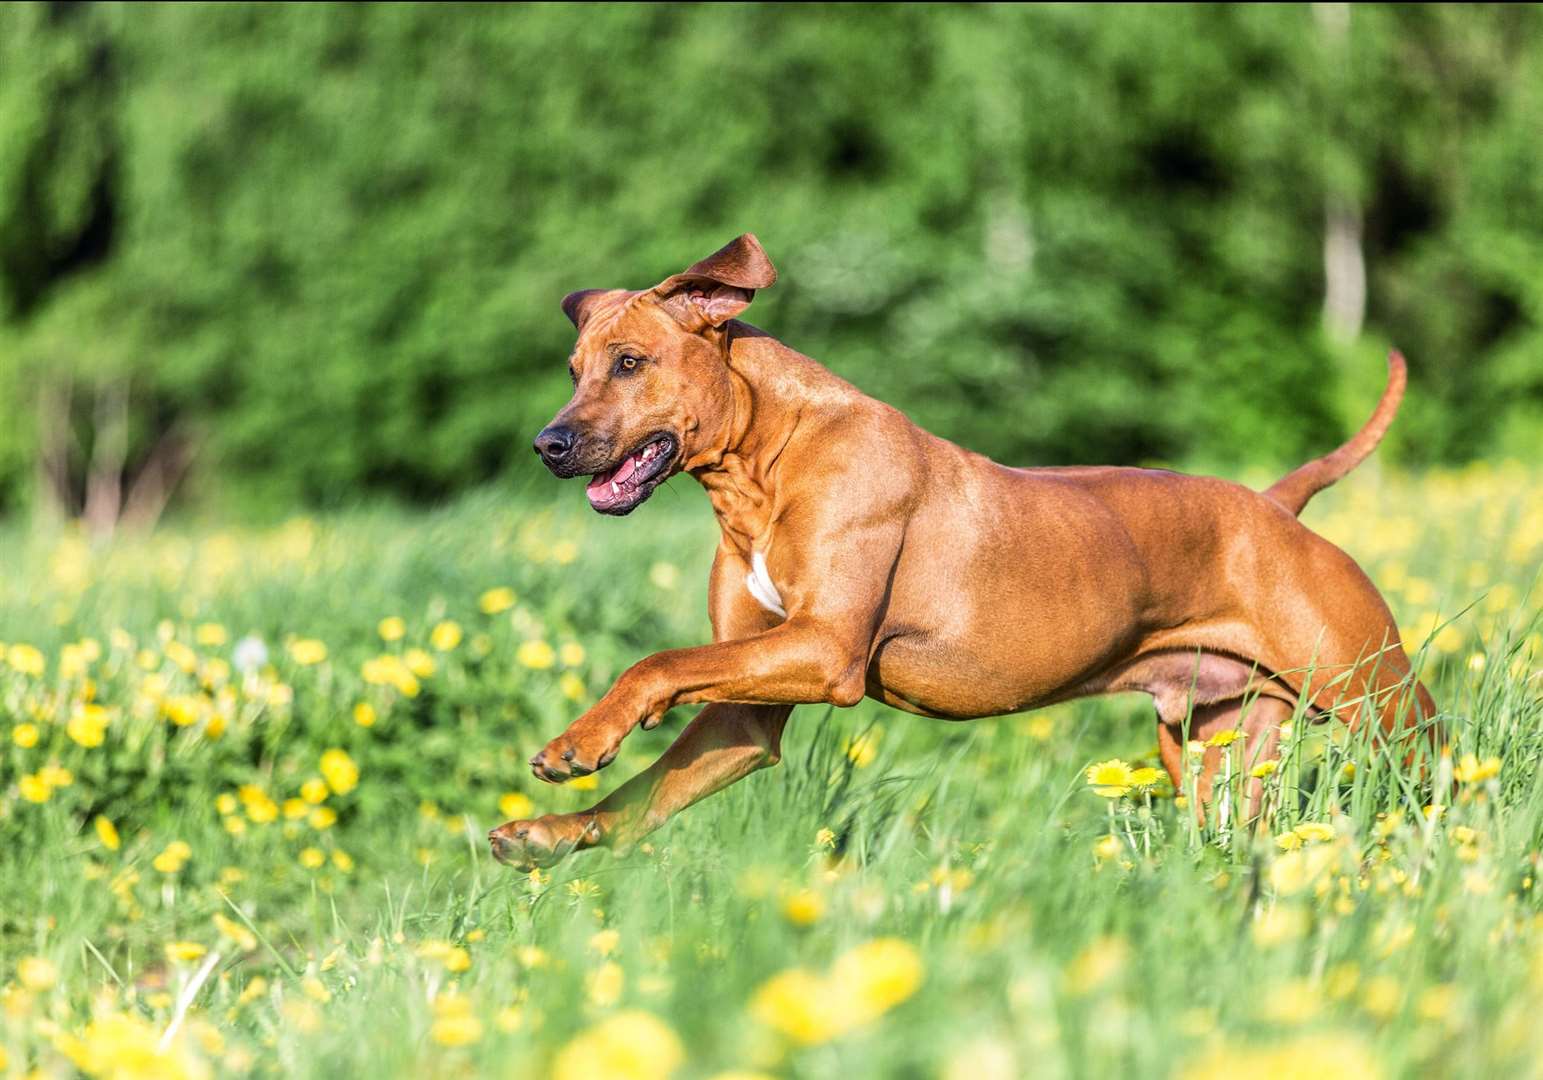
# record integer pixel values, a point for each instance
(606, 760)
(535, 762)
(568, 754)
(521, 834)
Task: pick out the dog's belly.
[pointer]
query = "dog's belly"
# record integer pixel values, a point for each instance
(960, 681)
(1011, 604)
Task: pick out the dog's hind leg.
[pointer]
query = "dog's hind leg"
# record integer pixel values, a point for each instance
(1257, 719)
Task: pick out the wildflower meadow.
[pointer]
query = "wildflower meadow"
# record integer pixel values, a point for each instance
(248, 775)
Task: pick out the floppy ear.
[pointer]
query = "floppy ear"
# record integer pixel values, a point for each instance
(578, 305)
(715, 290)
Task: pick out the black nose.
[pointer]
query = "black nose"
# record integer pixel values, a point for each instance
(555, 444)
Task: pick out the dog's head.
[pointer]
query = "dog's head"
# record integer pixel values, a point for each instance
(650, 385)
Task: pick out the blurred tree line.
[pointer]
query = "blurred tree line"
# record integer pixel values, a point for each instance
(290, 253)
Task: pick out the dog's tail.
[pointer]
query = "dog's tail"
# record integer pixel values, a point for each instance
(1294, 489)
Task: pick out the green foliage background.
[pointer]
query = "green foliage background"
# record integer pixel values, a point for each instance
(330, 241)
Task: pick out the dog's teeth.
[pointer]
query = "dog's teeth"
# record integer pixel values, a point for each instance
(614, 487)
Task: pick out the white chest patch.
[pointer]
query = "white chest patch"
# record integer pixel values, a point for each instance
(759, 582)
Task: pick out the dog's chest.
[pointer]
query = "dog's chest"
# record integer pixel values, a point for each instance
(759, 583)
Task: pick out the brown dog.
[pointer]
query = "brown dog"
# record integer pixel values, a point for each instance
(862, 556)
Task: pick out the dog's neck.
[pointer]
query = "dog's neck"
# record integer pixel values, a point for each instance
(772, 388)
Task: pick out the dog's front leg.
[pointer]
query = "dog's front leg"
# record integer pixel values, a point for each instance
(801, 660)
(723, 744)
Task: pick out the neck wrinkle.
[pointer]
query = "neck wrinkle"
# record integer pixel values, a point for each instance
(738, 477)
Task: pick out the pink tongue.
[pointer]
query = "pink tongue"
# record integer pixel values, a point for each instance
(599, 489)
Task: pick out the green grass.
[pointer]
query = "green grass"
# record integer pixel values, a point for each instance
(1406, 944)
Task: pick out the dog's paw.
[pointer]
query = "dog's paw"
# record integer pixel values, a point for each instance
(584, 748)
(543, 841)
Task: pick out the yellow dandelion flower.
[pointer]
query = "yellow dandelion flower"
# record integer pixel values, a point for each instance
(419, 663)
(364, 714)
(225, 803)
(315, 989)
(1111, 778)
(323, 817)
(314, 790)
(454, 1022)
(571, 654)
(26, 659)
(449, 955)
(343, 861)
(56, 776)
(862, 749)
(307, 651)
(184, 657)
(88, 725)
(34, 788)
(1315, 830)
(210, 635)
(262, 810)
(496, 600)
(36, 974)
(572, 686)
(632, 1044)
(1470, 770)
(1225, 738)
(535, 654)
(1264, 769)
(313, 858)
(1294, 871)
(1039, 727)
(1326, 1056)
(445, 636)
(515, 805)
(185, 710)
(25, 735)
(604, 942)
(341, 773)
(253, 990)
(391, 628)
(243, 938)
(797, 1003)
(107, 833)
(181, 952)
(878, 975)
(803, 908)
(1145, 777)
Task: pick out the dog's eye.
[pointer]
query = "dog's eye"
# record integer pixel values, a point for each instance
(626, 364)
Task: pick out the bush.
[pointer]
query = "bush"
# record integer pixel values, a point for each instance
(320, 249)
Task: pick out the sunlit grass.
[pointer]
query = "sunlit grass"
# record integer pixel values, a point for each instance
(248, 776)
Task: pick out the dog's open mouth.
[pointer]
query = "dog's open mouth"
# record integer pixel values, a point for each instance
(624, 488)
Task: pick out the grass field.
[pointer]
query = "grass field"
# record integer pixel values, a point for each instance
(248, 775)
